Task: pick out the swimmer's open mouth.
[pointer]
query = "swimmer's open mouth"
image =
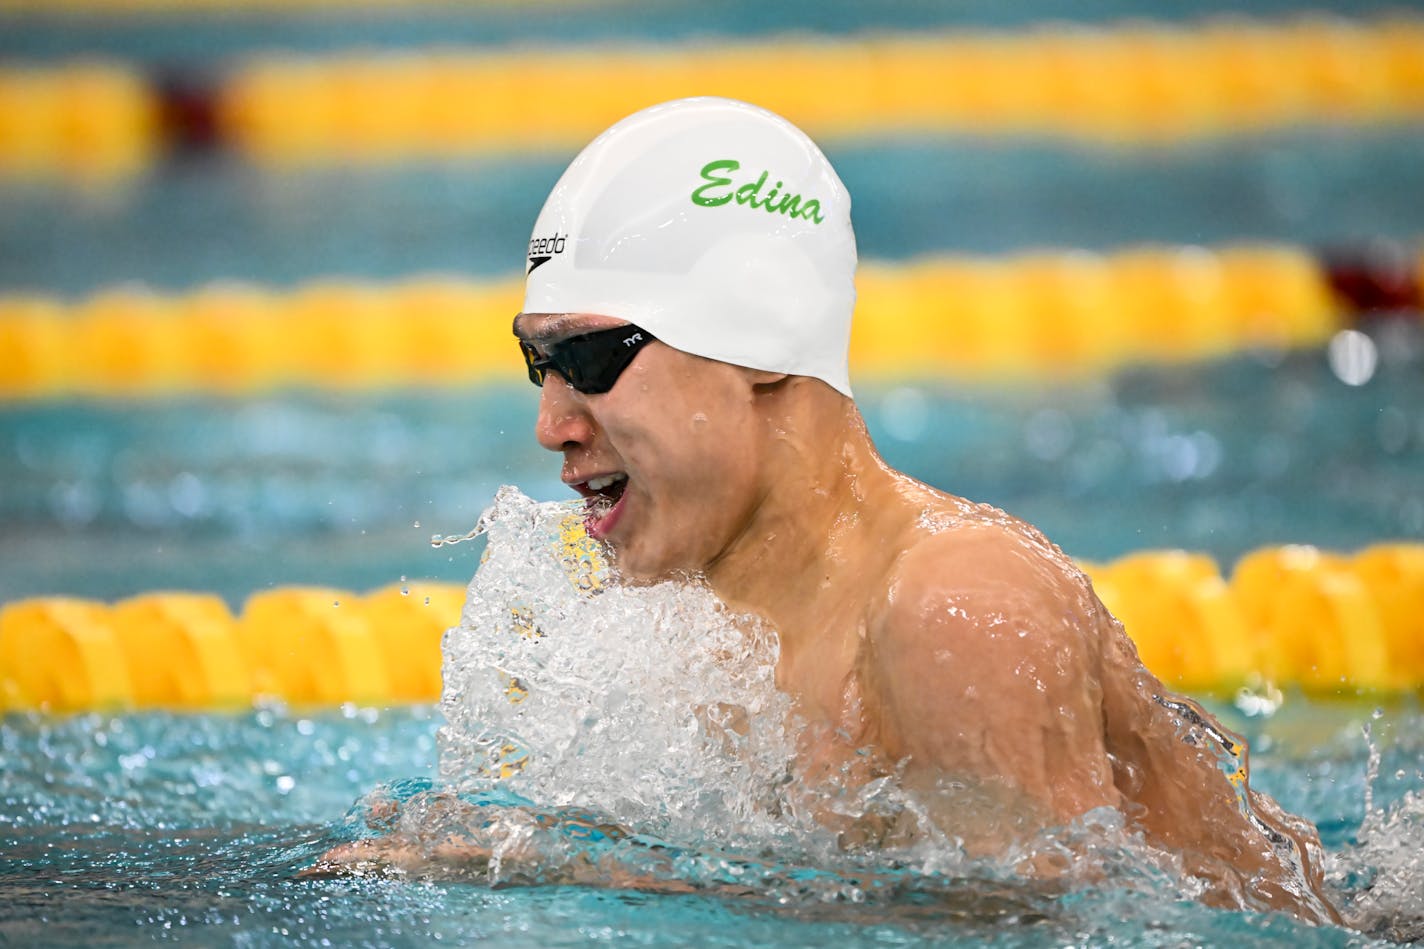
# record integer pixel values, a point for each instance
(604, 496)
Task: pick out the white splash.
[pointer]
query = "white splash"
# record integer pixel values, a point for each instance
(655, 707)
(653, 704)
(1383, 874)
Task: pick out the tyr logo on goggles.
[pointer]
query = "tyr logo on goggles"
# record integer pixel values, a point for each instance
(590, 362)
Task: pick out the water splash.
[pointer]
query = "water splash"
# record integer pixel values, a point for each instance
(653, 703)
(635, 733)
(656, 709)
(1381, 875)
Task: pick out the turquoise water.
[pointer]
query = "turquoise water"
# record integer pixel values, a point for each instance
(156, 827)
(208, 218)
(130, 828)
(109, 500)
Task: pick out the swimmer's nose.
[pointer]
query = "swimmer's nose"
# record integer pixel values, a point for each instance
(563, 422)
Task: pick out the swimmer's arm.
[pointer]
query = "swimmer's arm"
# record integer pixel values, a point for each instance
(1188, 805)
(451, 860)
(508, 846)
(985, 674)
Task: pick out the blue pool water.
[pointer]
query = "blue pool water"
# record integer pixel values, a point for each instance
(109, 500)
(155, 827)
(131, 828)
(208, 219)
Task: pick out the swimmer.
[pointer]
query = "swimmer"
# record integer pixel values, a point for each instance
(690, 284)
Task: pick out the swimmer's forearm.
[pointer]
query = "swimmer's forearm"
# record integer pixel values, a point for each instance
(652, 871)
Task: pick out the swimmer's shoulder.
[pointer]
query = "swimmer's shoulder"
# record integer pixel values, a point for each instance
(981, 565)
(980, 650)
(960, 539)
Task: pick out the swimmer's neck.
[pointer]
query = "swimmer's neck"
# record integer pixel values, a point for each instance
(824, 483)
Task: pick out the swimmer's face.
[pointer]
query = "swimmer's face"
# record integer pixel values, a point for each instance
(669, 458)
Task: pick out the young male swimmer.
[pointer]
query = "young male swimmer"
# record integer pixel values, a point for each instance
(690, 284)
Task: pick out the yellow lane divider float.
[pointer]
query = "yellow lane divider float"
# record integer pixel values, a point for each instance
(1139, 82)
(1292, 615)
(305, 645)
(91, 121)
(1288, 616)
(958, 317)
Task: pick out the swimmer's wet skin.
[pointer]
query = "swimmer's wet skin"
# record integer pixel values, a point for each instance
(590, 363)
(921, 636)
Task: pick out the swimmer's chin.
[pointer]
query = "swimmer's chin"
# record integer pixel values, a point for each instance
(627, 570)
(681, 577)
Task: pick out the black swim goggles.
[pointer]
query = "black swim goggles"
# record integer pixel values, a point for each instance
(590, 362)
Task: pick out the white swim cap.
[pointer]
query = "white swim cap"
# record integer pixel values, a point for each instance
(717, 226)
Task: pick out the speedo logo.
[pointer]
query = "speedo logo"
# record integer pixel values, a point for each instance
(720, 188)
(544, 249)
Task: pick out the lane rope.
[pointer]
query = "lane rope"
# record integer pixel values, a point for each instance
(1139, 83)
(1288, 616)
(1029, 315)
(1133, 83)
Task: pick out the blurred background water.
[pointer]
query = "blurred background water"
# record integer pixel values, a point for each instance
(108, 497)
(108, 500)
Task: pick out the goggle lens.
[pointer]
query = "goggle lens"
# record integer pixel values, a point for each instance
(590, 362)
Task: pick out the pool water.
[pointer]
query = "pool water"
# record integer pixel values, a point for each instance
(123, 828)
(345, 490)
(190, 827)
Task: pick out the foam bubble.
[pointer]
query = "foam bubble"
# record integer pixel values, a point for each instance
(1380, 874)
